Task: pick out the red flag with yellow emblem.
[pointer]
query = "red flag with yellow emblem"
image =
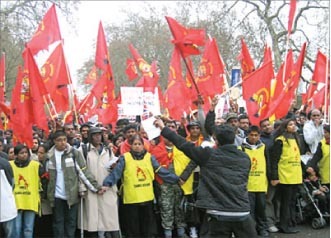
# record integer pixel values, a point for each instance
(210, 80)
(131, 69)
(48, 32)
(175, 97)
(102, 59)
(56, 78)
(91, 78)
(185, 39)
(246, 61)
(256, 92)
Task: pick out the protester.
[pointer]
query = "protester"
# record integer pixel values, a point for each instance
(100, 213)
(257, 180)
(27, 175)
(313, 130)
(232, 120)
(8, 210)
(137, 168)
(244, 123)
(227, 206)
(66, 167)
(286, 172)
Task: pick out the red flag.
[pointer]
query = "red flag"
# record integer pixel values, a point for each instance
(185, 39)
(150, 76)
(2, 77)
(47, 32)
(102, 59)
(267, 56)
(246, 61)
(56, 78)
(21, 117)
(256, 92)
(291, 15)
(176, 103)
(319, 76)
(91, 78)
(131, 69)
(106, 103)
(281, 103)
(210, 80)
(34, 89)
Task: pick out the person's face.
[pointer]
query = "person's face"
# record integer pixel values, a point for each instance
(137, 146)
(171, 126)
(41, 153)
(119, 128)
(195, 131)
(315, 115)
(129, 133)
(23, 154)
(70, 131)
(291, 127)
(119, 141)
(219, 121)
(60, 143)
(84, 132)
(35, 144)
(11, 155)
(244, 124)
(96, 138)
(327, 136)
(303, 119)
(253, 137)
(266, 127)
(233, 122)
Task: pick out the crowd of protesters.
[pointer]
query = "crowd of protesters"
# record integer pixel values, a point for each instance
(202, 177)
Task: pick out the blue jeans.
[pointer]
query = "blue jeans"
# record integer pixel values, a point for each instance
(9, 228)
(24, 223)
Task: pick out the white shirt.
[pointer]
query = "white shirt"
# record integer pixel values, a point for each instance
(60, 191)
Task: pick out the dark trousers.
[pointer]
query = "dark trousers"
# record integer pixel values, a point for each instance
(287, 194)
(257, 202)
(219, 229)
(64, 219)
(140, 220)
(43, 226)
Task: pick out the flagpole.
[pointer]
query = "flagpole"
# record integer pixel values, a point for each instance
(326, 92)
(49, 110)
(4, 75)
(70, 87)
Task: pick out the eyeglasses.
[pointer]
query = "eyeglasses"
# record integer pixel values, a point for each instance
(315, 115)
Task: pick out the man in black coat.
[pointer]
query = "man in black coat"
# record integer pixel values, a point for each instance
(222, 190)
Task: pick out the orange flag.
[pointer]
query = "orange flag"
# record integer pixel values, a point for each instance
(185, 39)
(210, 80)
(2, 77)
(176, 103)
(47, 32)
(246, 61)
(256, 92)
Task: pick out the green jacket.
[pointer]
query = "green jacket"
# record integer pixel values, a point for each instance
(71, 159)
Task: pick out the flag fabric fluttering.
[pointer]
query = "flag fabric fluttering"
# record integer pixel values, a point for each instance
(256, 92)
(319, 77)
(131, 69)
(57, 78)
(293, 4)
(102, 59)
(2, 77)
(246, 61)
(47, 33)
(210, 78)
(185, 39)
(91, 78)
(175, 97)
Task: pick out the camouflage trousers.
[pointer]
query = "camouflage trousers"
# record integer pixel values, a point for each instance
(169, 202)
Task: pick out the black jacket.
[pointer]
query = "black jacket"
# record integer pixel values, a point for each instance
(224, 174)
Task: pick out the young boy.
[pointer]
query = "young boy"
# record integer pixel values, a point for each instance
(257, 180)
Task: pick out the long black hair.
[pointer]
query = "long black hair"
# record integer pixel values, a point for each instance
(281, 131)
